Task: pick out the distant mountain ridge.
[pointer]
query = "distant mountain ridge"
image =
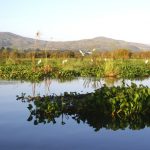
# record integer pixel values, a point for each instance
(12, 40)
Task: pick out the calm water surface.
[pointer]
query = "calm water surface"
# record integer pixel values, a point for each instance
(16, 133)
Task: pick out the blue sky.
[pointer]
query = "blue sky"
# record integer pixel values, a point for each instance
(77, 19)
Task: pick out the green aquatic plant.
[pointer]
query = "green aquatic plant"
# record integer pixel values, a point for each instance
(116, 107)
(55, 69)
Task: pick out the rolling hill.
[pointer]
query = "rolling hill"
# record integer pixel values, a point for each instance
(11, 40)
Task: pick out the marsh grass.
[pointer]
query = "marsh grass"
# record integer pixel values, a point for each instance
(110, 68)
(74, 68)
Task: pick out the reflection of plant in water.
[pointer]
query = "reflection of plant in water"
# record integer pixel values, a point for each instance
(95, 83)
(47, 82)
(108, 107)
(33, 88)
(110, 81)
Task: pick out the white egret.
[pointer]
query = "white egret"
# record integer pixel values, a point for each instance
(39, 61)
(82, 53)
(87, 53)
(146, 61)
(64, 61)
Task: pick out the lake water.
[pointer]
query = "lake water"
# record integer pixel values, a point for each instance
(16, 133)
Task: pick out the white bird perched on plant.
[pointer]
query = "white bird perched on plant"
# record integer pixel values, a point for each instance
(82, 53)
(39, 61)
(146, 61)
(93, 49)
(87, 53)
(64, 61)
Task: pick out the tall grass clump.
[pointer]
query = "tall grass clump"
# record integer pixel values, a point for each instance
(110, 69)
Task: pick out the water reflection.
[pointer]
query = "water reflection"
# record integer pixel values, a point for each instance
(74, 122)
(110, 81)
(78, 85)
(97, 83)
(93, 82)
(112, 108)
(47, 83)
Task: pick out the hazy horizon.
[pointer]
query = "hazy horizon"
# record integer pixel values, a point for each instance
(64, 20)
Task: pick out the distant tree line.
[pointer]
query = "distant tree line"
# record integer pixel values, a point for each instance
(115, 54)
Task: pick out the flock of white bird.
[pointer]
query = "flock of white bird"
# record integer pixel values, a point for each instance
(83, 54)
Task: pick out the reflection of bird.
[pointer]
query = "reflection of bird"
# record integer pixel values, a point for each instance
(146, 61)
(39, 62)
(86, 53)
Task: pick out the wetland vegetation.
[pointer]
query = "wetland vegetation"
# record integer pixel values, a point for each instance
(123, 104)
(37, 65)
